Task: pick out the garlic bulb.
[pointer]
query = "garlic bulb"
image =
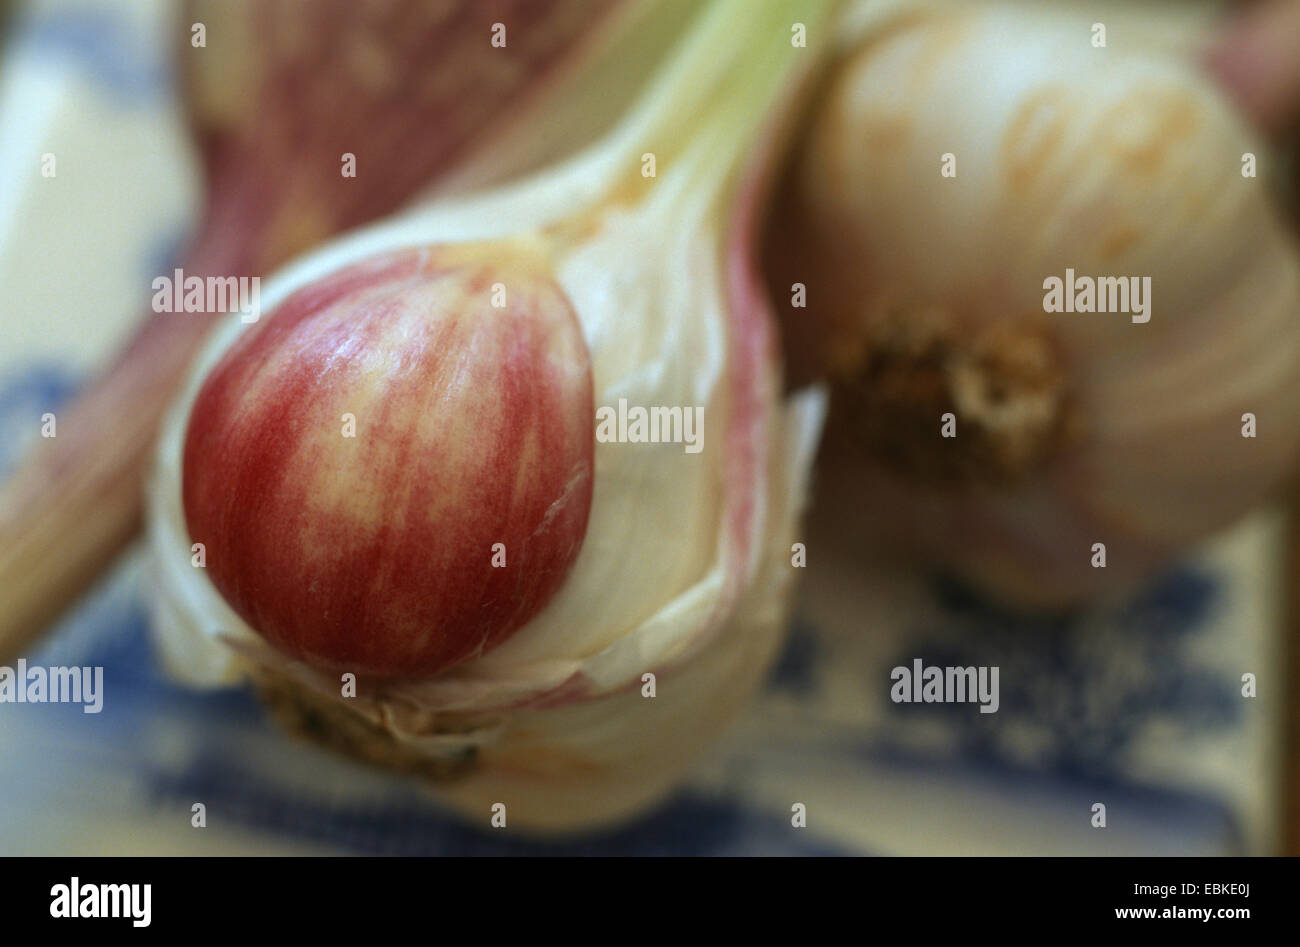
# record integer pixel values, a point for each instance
(974, 182)
(623, 281)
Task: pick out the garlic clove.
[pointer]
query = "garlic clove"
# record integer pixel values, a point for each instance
(927, 299)
(451, 516)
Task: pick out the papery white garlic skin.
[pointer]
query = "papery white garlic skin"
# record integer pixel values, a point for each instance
(1114, 161)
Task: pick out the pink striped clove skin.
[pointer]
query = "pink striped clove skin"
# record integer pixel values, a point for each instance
(393, 472)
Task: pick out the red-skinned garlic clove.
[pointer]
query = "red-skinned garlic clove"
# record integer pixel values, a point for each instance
(393, 472)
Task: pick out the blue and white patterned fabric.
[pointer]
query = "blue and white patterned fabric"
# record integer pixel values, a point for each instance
(1139, 708)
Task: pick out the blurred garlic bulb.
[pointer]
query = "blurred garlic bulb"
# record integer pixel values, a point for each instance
(961, 167)
(560, 620)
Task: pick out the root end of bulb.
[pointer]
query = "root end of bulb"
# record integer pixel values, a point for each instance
(949, 404)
